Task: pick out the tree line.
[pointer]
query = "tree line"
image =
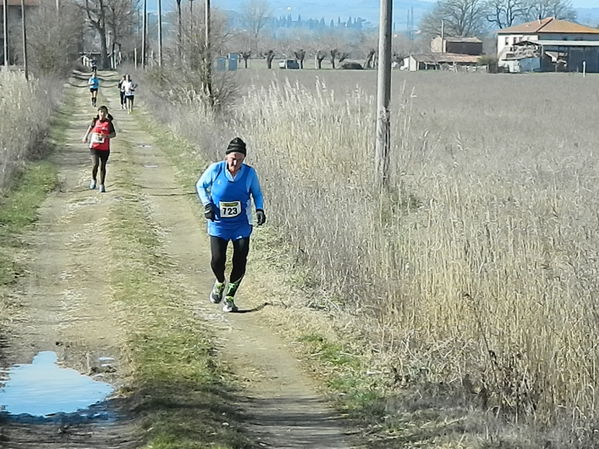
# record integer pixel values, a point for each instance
(464, 18)
(60, 32)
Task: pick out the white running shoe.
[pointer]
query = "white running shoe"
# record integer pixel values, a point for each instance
(229, 305)
(92, 184)
(101, 188)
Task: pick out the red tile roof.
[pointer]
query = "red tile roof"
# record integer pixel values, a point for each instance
(549, 25)
(440, 58)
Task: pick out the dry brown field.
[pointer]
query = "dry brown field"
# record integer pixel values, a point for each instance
(478, 268)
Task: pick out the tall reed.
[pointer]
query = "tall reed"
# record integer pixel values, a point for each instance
(479, 265)
(26, 113)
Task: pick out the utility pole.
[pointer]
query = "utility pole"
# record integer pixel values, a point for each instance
(179, 35)
(144, 30)
(208, 62)
(383, 127)
(25, 67)
(191, 19)
(159, 33)
(442, 35)
(5, 22)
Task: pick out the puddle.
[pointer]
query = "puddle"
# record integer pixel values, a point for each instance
(150, 165)
(43, 388)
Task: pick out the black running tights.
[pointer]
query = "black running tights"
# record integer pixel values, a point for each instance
(218, 247)
(99, 158)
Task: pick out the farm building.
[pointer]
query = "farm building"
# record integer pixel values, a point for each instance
(447, 53)
(548, 45)
(458, 45)
(440, 61)
(13, 16)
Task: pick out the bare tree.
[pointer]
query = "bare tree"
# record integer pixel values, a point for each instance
(300, 55)
(197, 82)
(369, 63)
(333, 56)
(560, 9)
(255, 14)
(505, 13)
(97, 15)
(53, 40)
(120, 19)
(270, 55)
(319, 56)
(246, 55)
(194, 36)
(460, 18)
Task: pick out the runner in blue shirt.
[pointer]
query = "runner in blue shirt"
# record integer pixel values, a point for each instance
(94, 85)
(226, 190)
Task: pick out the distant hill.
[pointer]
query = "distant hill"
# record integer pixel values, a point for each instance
(327, 9)
(333, 9)
(366, 9)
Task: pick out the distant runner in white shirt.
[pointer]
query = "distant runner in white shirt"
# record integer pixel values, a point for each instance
(122, 91)
(128, 87)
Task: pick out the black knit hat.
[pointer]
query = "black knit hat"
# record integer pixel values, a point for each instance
(236, 145)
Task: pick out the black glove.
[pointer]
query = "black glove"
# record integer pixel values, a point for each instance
(209, 212)
(260, 217)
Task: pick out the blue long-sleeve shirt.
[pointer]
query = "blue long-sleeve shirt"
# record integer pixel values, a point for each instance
(219, 188)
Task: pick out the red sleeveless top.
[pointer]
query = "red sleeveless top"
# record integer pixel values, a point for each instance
(98, 140)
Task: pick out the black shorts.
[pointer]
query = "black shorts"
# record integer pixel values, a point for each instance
(93, 89)
(102, 154)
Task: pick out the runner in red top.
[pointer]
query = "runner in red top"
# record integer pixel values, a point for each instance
(99, 133)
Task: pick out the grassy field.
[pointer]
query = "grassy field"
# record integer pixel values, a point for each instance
(474, 277)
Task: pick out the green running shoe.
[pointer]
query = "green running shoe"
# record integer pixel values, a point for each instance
(229, 305)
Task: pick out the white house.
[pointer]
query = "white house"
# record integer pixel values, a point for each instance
(549, 41)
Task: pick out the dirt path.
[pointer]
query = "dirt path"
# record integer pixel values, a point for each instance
(68, 311)
(65, 297)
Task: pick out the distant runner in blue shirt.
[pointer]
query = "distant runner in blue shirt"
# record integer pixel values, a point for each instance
(226, 190)
(94, 85)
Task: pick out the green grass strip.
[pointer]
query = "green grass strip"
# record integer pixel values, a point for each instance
(179, 394)
(18, 210)
(18, 207)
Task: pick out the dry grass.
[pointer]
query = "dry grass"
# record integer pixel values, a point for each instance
(26, 111)
(479, 269)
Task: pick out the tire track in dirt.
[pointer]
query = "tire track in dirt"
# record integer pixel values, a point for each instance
(280, 403)
(65, 298)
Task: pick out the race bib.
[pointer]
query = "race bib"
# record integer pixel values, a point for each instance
(230, 209)
(97, 138)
